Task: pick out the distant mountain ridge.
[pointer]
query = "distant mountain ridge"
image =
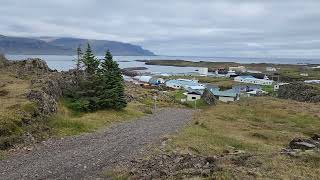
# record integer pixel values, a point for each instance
(66, 46)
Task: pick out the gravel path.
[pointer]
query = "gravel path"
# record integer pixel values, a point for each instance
(86, 155)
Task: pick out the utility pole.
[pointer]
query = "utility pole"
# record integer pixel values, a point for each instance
(195, 104)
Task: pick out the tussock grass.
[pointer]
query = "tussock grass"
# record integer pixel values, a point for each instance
(67, 122)
(261, 126)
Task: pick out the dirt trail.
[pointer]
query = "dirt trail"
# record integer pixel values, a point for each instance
(86, 155)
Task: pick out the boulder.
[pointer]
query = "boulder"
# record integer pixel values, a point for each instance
(208, 97)
(305, 144)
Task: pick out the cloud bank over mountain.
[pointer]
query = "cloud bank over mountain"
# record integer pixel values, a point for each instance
(255, 28)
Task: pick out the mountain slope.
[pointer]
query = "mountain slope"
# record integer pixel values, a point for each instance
(66, 46)
(20, 45)
(100, 46)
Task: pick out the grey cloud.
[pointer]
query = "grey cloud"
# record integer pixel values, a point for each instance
(287, 28)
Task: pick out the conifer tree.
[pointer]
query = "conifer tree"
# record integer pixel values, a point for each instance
(88, 95)
(90, 62)
(79, 58)
(113, 96)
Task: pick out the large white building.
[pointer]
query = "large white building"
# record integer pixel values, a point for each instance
(184, 84)
(253, 80)
(203, 71)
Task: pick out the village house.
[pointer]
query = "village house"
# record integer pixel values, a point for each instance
(193, 96)
(271, 69)
(238, 69)
(184, 84)
(276, 87)
(253, 80)
(203, 71)
(149, 79)
(226, 96)
(246, 88)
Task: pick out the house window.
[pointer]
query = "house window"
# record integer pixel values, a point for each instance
(193, 98)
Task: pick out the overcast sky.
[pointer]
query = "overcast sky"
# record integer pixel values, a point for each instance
(225, 28)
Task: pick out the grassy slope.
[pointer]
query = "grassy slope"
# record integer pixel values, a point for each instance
(14, 107)
(261, 126)
(67, 123)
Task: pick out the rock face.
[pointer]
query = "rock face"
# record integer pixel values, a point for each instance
(174, 166)
(47, 86)
(208, 97)
(300, 92)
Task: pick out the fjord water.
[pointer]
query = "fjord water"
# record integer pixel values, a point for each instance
(67, 62)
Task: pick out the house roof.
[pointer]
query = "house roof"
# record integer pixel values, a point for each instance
(247, 77)
(227, 93)
(195, 93)
(183, 82)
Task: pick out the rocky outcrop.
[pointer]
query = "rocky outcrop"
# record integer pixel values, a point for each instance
(174, 166)
(300, 92)
(208, 97)
(49, 88)
(298, 145)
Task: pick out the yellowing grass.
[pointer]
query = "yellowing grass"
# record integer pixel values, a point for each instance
(261, 126)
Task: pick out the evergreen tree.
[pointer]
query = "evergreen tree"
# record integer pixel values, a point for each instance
(89, 85)
(90, 62)
(79, 58)
(113, 94)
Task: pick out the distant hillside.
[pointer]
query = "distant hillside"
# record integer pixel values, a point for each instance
(19, 45)
(66, 46)
(100, 46)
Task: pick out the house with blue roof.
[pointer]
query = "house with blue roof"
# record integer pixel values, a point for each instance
(226, 96)
(184, 84)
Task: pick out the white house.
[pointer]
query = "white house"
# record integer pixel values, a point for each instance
(304, 74)
(253, 80)
(231, 73)
(276, 87)
(271, 69)
(238, 69)
(149, 79)
(226, 96)
(203, 71)
(254, 71)
(193, 96)
(183, 84)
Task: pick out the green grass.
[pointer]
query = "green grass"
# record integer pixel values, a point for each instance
(13, 109)
(67, 123)
(3, 155)
(261, 126)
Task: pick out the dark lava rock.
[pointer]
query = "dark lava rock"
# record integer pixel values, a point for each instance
(174, 166)
(303, 144)
(208, 97)
(300, 92)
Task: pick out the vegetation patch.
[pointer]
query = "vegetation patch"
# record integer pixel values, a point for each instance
(68, 122)
(260, 126)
